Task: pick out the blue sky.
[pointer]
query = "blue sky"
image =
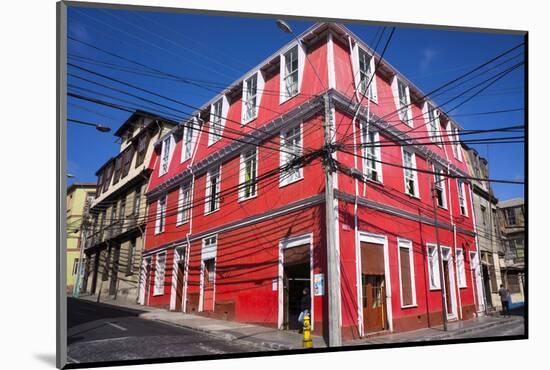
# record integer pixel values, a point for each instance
(220, 49)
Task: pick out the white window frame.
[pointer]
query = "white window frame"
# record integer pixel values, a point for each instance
(218, 119)
(357, 73)
(208, 191)
(401, 112)
(433, 272)
(284, 178)
(452, 133)
(435, 136)
(414, 172)
(183, 204)
(159, 283)
(161, 214)
(460, 268)
(283, 97)
(166, 156)
(365, 154)
(188, 139)
(245, 118)
(405, 243)
(461, 192)
(206, 254)
(440, 185)
(242, 173)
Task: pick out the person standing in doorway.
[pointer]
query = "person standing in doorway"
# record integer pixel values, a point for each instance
(305, 307)
(504, 299)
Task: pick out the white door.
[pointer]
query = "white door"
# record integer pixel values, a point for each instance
(449, 284)
(144, 279)
(476, 278)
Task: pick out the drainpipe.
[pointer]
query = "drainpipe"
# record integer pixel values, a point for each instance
(187, 236)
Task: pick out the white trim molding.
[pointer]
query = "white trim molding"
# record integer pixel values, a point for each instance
(368, 237)
(286, 243)
(405, 243)
(283, 96)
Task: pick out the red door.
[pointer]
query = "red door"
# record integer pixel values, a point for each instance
(208, 286)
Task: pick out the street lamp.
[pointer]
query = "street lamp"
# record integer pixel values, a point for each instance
(283, 26)
(98, 126)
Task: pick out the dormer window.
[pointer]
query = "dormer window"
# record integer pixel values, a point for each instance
(218, 111)
(291, 70)
(250, 99)
(432, 120)
(188, 137)
(402, 101)
(165, 155)
(363, 65)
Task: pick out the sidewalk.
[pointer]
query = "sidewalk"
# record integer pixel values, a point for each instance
(437, 333)
(266, 338)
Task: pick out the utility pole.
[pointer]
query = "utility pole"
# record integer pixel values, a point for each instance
(333, 255)
(440, 259)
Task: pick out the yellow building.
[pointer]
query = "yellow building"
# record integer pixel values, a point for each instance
(79, 199)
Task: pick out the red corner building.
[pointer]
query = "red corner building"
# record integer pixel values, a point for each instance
(237, 224)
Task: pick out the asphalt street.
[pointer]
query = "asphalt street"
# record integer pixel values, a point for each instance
(98, 332)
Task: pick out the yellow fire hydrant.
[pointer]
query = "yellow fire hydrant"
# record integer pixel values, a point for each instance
(307, 342)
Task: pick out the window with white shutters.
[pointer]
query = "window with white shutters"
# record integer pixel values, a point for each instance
(461, 271)
(248, 173)
(160, 268)
(165, 155)
(432, 119)
(291, 148)
(366, 75)
(371, 153)
(216, 122)
(290, 79)
(184, 203)
(433, 267)
(250, 98)
(462, 198)
(404, 103)
(187, 141)
(212, 190)
(439, 182)
(411, 178)
(161, 215)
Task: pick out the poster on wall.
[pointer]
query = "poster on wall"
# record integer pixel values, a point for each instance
(319, 284)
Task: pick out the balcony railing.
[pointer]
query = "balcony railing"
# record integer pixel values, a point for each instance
(111, 231)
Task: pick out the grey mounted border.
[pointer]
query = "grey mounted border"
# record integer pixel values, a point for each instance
(61, 191)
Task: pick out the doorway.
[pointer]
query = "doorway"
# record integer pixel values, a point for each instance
(209, 277)
(296, 278)
(449, 283)
(477, 283)
(179, 284)
(144, 281)
(373, 287)
(487, 286)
